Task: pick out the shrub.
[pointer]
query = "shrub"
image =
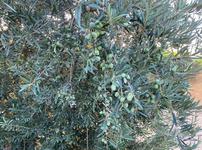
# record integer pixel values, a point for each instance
(92, 75)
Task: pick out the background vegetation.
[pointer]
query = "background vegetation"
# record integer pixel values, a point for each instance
(97, 74)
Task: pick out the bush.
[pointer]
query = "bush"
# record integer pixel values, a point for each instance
(92, 74)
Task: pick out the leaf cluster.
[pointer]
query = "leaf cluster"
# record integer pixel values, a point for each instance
(93, 74)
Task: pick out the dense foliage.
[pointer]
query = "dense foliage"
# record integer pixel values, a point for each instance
(94, 74)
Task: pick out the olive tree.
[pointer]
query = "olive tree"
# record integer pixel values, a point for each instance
(97, 74)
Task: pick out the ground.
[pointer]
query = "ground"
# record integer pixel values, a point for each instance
(196, 92)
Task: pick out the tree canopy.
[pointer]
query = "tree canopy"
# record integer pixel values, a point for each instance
(97, 74)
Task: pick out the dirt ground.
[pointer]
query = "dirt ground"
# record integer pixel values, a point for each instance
(196, 87)
(196, 92)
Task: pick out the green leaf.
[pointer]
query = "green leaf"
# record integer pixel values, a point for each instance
(128, 137)
(113, 144)
(11, 8)
(78, 13)
(137, 102)
(24, 87)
